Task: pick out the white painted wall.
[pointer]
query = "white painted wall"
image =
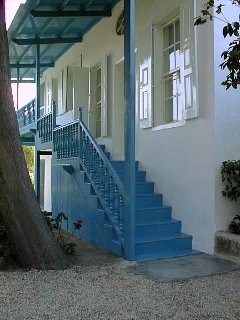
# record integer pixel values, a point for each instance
(227, 130)
(183, 161)
(47, 183)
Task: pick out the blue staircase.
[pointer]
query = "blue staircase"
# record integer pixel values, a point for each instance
(101, 181)
(157, 235)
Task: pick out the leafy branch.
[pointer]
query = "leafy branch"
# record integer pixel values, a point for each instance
(231, 56)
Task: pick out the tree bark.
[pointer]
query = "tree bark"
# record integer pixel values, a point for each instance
(32, 242)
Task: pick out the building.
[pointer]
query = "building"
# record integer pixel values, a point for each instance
(178, 118)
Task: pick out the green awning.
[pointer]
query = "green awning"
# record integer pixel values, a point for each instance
(56, 25)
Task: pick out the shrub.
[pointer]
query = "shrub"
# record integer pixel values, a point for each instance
(55, 224)
(230, 171)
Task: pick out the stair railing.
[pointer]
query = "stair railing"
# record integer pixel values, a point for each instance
(103, 176)
(46, 124)
(66, 140)
(26, 115)
(75, 140)
(44, 127)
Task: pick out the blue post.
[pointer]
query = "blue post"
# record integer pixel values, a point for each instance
(37, 156)
(129, 133)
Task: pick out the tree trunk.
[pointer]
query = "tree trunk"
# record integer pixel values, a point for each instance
(32, 242)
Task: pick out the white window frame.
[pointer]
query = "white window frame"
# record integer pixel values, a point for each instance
(98, 104)
(103, 64)
(185, 14)
(176, 72)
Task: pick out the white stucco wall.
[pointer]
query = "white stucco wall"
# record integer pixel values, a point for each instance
(184, 161)
(181, 160)
(227, 130)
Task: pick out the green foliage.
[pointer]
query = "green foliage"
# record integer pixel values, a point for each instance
(231, 56)
(4, 243)
(56, 225)
(234, 226)
(29, 157)
(230, 171)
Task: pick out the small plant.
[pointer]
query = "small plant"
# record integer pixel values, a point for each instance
(234, 226)
(230, 171)
(4, 243)
(55, 224)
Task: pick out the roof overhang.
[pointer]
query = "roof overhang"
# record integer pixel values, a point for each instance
(54, 24)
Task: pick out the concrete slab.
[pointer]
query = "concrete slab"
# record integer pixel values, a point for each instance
(183, 268)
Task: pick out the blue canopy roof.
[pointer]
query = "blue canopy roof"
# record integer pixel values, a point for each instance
(56, 25)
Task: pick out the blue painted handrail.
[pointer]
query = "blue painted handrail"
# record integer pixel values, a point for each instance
(44, 127)
(26, 115)
(75, 140)
(103, 176)
(66, 140)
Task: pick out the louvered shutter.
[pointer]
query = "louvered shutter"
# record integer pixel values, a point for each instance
(188, 72)
(145, 94)
(60, 93)
(64, 94)
(104, 95)
(80, 91)
(49, 90)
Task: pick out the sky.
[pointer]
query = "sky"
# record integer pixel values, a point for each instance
(26, 91)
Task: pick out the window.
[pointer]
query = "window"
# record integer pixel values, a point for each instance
(69, 88)
(98, 105)
(171, 75)
(58, 93)
(97, 111)
(49, 96)
(168, 82)
(42, 98)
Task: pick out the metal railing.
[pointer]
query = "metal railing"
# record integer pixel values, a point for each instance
(74, 139)
(26, 115)
(66, 140)
(45, 127)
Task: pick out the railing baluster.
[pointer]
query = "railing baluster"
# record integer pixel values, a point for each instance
(75, 140)
(111, 194)
(101, 176)
(121, 214)
(116, 204)
(97, 171)
(106, 179)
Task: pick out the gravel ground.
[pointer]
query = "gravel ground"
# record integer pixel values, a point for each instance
(110, 291)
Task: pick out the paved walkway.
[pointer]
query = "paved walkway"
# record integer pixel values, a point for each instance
(174, 269)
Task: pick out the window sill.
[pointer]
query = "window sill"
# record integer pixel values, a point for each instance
(170, 125)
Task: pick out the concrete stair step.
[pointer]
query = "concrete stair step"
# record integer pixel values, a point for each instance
(153, 214)
(164, 246)
(148, 200)
(158, 231)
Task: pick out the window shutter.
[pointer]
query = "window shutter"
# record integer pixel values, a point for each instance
(145, 99)
(64, 94)
(49, 96)
(55, 93)
(104, 96)
(188, 72)
(60, 93)
(80, 91)
(69, 88)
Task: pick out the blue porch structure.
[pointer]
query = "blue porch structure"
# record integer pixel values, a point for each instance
(120, 210)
